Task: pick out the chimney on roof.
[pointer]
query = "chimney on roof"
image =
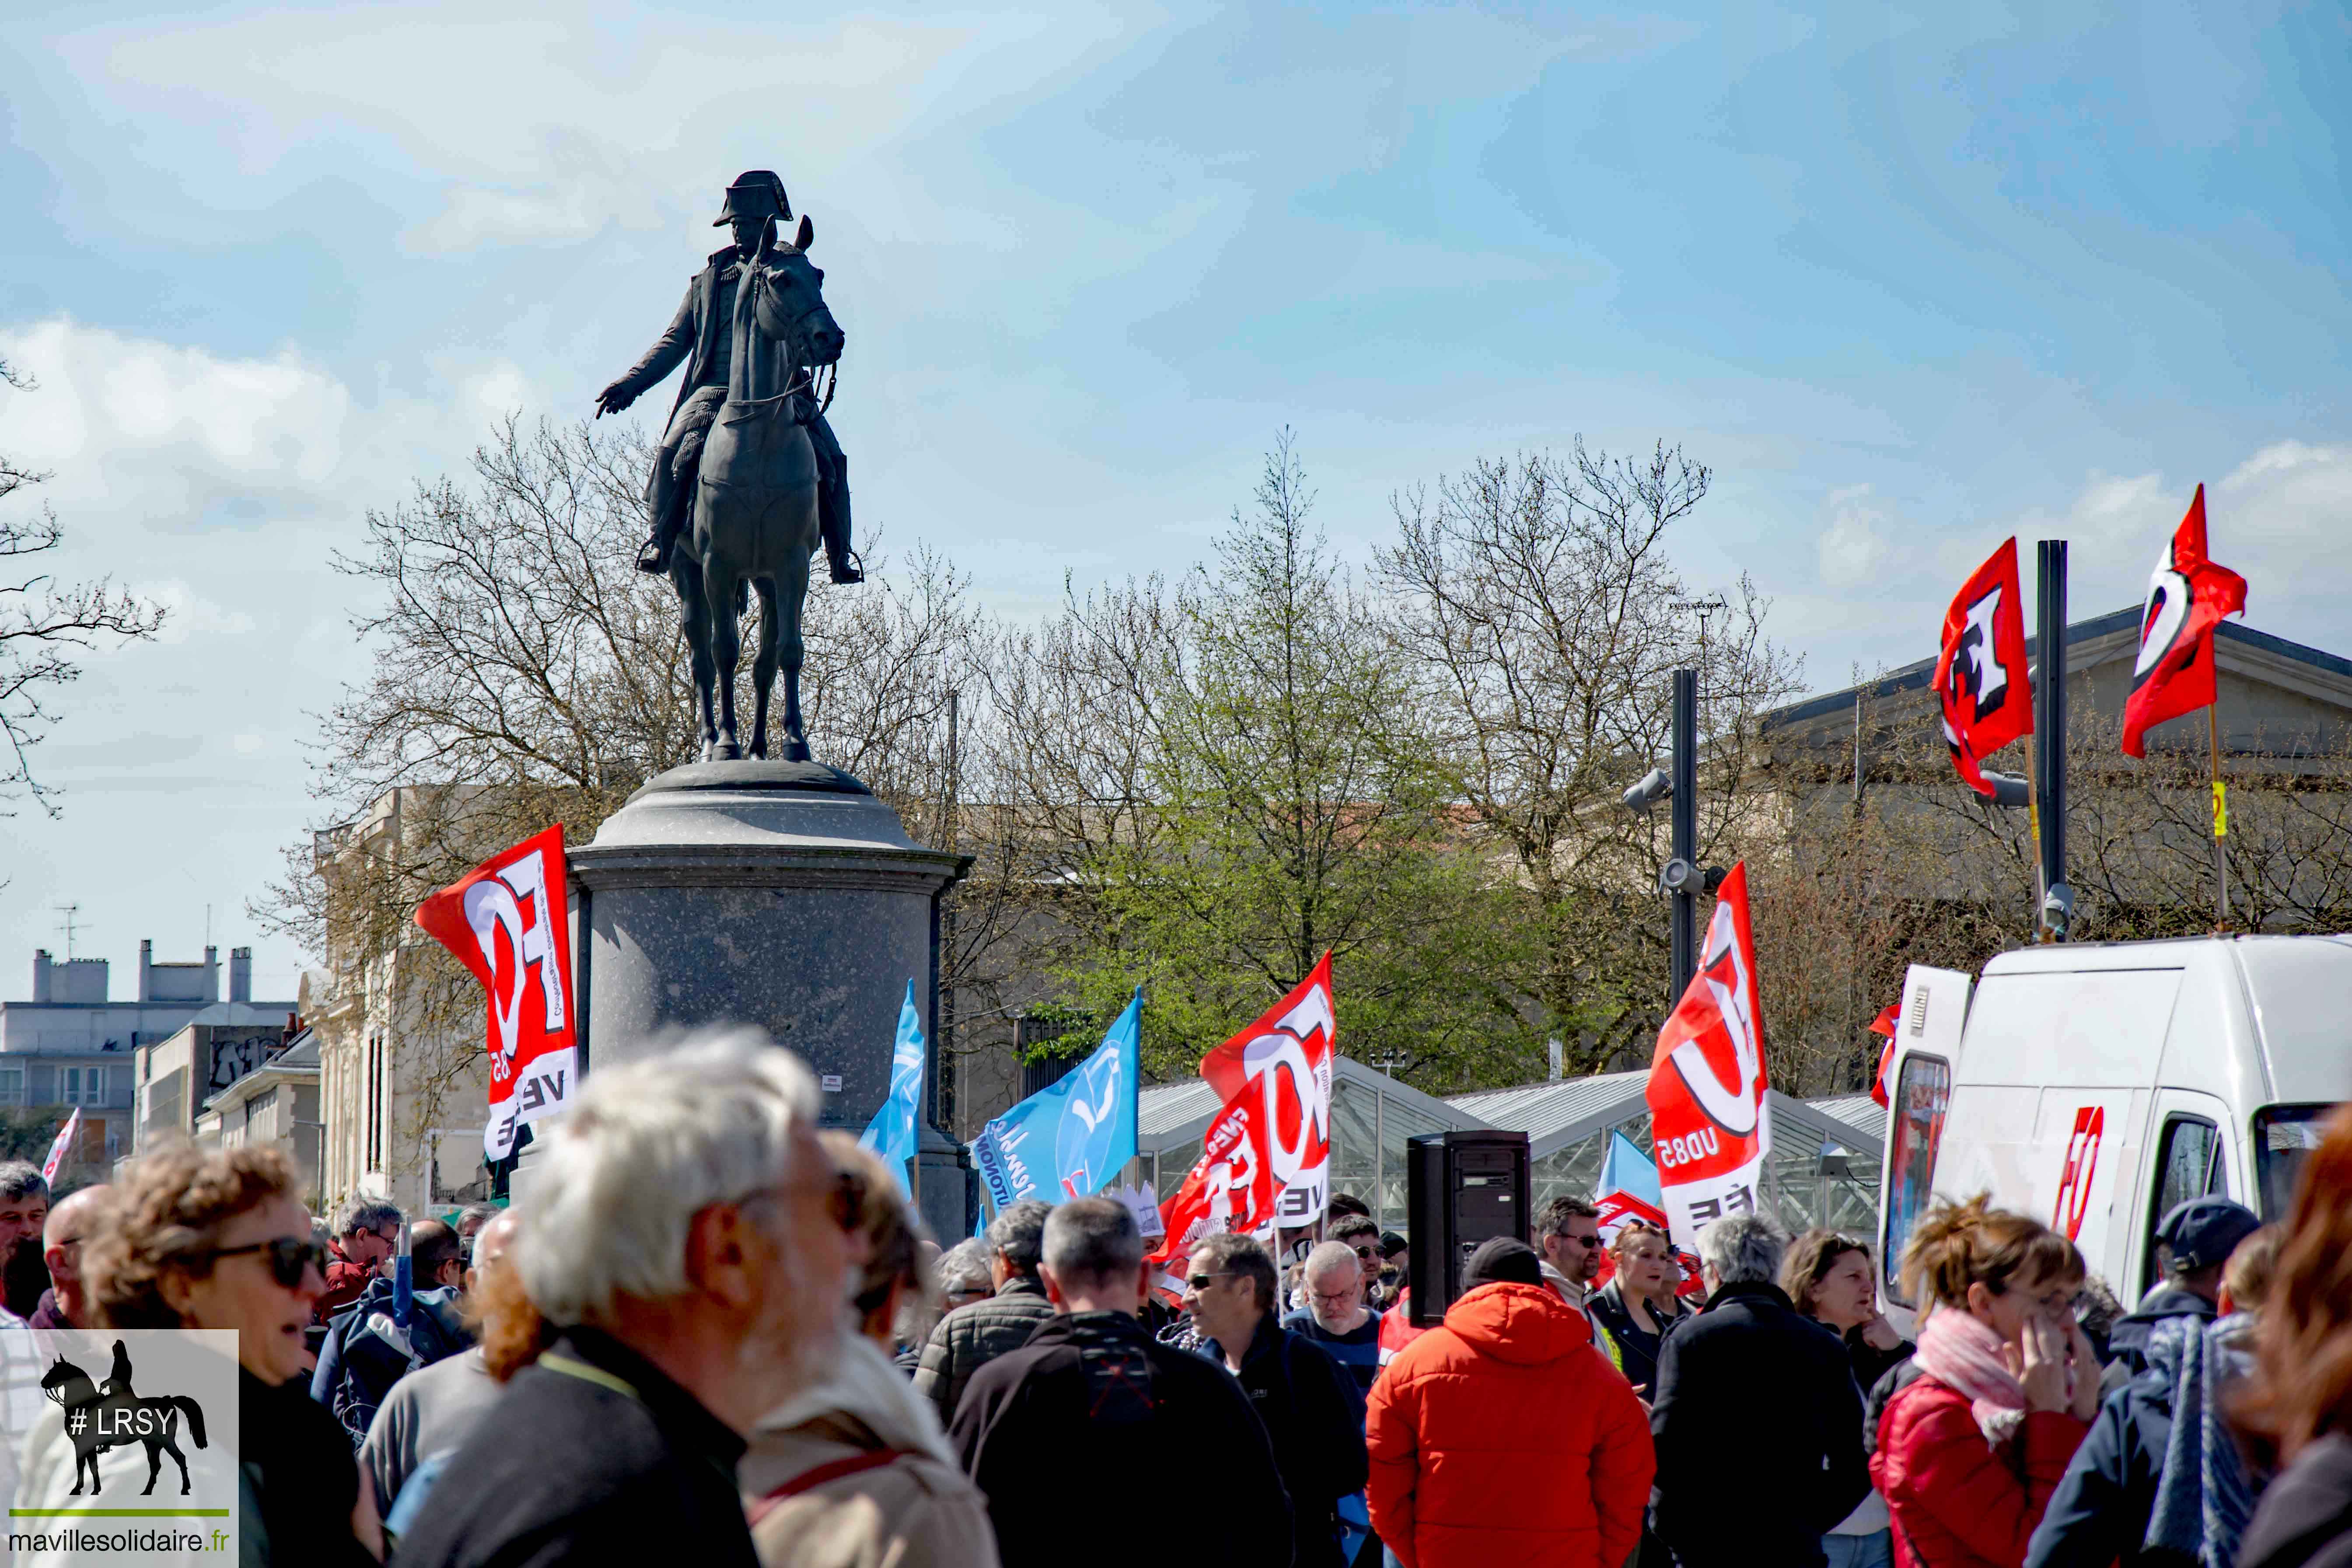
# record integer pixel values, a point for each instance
(40, 974)
(240, 974)
(212, 974)
(146, 969)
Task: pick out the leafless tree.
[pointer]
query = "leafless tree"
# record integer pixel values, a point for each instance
(1537, 597)
(46, 627)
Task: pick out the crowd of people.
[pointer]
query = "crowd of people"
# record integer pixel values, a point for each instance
(709, 1330)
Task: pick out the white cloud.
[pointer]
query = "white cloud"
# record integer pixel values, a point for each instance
(188, 613)
(1854, 546)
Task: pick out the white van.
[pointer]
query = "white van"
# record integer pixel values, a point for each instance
(2094, 1086)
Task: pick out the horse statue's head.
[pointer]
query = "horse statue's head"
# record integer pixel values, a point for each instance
(790, 303)
(57, 1382)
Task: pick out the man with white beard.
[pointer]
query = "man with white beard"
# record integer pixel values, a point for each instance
(689, 1236)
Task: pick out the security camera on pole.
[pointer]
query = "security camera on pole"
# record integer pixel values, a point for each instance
(1680, 880)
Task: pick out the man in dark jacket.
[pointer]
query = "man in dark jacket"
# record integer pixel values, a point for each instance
(2193, 1240)
(971, 1337)
(1067, 1435)
(1722, 1495)
(2100, 1512)
(1314, 1418)
(685, 1230)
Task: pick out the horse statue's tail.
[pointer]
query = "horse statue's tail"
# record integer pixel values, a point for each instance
(195, 1416)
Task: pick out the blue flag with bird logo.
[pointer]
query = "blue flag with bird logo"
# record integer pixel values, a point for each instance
(1070, 1139)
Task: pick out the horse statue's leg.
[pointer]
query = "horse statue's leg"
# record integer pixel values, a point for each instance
(719, 581)
(695, 611)
(763, 667)
(154, 1465)
(793, 592)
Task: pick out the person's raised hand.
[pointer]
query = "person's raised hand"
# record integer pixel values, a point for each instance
(614, 399)
(2043, 1366)
(2087, 1366)
(1879, 1334)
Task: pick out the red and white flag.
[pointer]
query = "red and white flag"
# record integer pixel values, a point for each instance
(2187, 597)
(1708, 1131)
(1266, 1160)
(1883, 1024)
(1980, 668)
(506, 920)
(65, 1140)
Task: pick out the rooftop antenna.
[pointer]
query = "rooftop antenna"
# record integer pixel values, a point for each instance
(68, 911)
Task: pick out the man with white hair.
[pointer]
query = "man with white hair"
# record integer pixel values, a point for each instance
(1722, 1495)
(1335, 1316)
(687, 1236)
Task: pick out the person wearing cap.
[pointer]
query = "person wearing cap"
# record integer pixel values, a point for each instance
(2128, 1469)
(702, 337)
(2193, 1243)
(1503, 1437)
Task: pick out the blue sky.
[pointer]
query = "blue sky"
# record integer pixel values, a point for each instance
(1908, 281)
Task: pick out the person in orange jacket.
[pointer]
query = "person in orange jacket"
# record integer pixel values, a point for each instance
(1504, 1437)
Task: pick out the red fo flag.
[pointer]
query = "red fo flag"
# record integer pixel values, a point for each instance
(1708, 1127)
(1981, 669)
(1883, 1024)
(506, 920)
(2187, 597)
(1266, 1160)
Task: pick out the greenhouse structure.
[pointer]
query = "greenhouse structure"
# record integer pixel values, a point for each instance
(1824, 1169)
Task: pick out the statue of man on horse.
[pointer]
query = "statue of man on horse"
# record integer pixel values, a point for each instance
(748, 479)
(700, 336)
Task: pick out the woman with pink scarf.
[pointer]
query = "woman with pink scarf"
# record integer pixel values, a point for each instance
(1969, 1453)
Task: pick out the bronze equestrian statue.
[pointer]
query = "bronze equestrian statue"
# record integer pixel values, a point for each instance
(700, 336)
(738, 491)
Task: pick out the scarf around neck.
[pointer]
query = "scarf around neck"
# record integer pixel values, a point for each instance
(1964, 1355)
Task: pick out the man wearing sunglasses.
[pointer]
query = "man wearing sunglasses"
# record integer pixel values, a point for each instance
(1313, 1414)
(1568, 1233)
(1059, 1433)
(366, 1230)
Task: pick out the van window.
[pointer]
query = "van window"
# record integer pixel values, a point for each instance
(1916, 1126)
(2284, 1136)
(2189, 1165)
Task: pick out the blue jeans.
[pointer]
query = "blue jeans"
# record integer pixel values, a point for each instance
(1875, 1550)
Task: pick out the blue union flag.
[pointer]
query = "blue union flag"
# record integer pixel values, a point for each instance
(1070, 1139)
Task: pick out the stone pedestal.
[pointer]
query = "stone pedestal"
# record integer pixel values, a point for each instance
(781, 895)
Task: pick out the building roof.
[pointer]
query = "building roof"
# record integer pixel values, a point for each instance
(1172, 1114)
(1859, 1111)
(1916, 677)
(1561, 1111)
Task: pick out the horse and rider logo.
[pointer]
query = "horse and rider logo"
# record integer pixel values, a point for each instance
(101, 1416)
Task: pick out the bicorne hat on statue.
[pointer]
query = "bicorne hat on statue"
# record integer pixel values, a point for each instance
(756, 193)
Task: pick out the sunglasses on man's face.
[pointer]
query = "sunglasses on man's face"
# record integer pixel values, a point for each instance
(288, 1257)
(1202, 1281)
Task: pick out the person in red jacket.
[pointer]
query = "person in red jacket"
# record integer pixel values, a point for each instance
(1503, 1437)
(1969, 1452)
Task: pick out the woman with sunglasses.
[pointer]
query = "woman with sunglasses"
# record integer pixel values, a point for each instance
(217, 1238)
(1970, 1452)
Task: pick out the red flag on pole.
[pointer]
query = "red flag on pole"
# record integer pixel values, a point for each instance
(64, 1141)
(1883, 1024)
(1981, 669)
(2187, 597)
(1707, 1127)
(1285, 1060)
(1266, 1159)
(505, 920)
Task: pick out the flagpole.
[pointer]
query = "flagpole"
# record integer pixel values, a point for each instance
(2033, 828)
(2221, 813)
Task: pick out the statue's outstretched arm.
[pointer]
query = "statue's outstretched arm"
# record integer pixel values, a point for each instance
(668, 352)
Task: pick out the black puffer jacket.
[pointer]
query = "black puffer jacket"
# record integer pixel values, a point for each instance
(971, 1337)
